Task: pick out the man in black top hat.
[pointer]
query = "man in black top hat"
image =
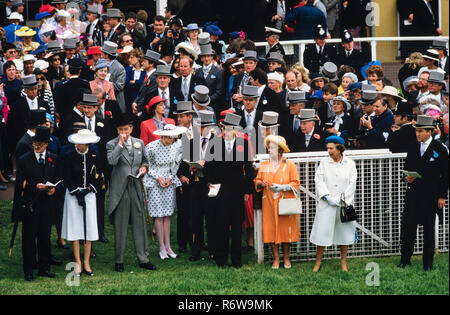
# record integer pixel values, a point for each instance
(425, 196)
(317, 54)
(403, 135)
(349, 56)
(34, 170)
(25, 144)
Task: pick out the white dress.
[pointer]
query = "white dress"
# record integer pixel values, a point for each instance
(164, 162)
(334, 179)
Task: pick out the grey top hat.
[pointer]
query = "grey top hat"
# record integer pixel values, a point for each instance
(113, 13)
(347, 105)
(368, 97)
(58, 1)
(368, 87)
(152, 56)
(184, 107)
(201, 95)
(206, 50)
(231, 120)
(54, 46)
(204, 38)
(424, 121)
(437, 77)
(250, 91)
(330, 71)
(29, 81)
(269, 119)
(70, 43)
(250, 55)
(296, 97)
(439, 44)
(110, 48)
(16, 3)
(89, 99)
(206, 118)
(307, 114)
(276, 57)
(93, 8)
(163, 70)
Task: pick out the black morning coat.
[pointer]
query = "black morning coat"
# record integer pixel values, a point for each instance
(316, 142)
(30, 172)
(403, 139)
(313, 61)
(422, 195)
(74, 175)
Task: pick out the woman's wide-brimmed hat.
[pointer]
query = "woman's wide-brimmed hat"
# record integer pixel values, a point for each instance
(279, 140)
(392, 91)
(170, 130)
(347, 105)
(84, 136)
(25, 31)
(188, 49)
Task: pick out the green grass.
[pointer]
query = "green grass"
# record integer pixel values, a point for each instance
(179, 276)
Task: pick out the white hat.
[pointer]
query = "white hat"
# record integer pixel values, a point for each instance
(28, 57)
(84, 136)
(188, 48)
(15, 16)
(351, 75)
(41, 64)
(19, 64)
(63, 13)
(68, 35)
(125, 50)
(275, 76)
(170, 131)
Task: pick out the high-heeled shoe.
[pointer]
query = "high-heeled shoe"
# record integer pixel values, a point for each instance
(172, 255)
(89, 273)
(163, 256)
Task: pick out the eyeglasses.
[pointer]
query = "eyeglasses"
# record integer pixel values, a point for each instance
(41, 79)
(128, 41)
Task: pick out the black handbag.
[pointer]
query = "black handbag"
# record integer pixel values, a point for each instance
(347, 212)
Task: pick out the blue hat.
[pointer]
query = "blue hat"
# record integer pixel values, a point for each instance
(335, 139)
(367, 66)
(354, 86)
(233, 35)
(213, 30)
(101, 63)
(40, 49)
(40, 16)
(192, 27)
(318, 95)
(49, 117)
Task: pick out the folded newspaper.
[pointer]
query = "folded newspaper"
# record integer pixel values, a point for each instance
(136, 176)
(213, 190)
(51, 185)
(412, 174)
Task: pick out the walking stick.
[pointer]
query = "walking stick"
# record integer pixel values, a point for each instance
(16, 224)
(146, 208)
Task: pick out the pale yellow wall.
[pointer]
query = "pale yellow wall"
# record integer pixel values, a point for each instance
(387, 51)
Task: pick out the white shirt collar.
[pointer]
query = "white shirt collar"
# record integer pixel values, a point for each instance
(86, 120)
(426, 143)
(31, 133)
(35, 101)
(38, 155)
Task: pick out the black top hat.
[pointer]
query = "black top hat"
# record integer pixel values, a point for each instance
(78, 125)
(346, 37)
(403, 109)
(125, 119)
(320, 32)
(37, 117)
(42, 134)
(75, 63)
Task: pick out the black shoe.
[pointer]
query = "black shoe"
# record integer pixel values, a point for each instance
(427, 268)
(224, 266)
(55, 261)
(194, 258)
(103, 240)
(89, 273)
(46, 273)
(29, 277)
(182, 249)
(403, 265)
(237, 265)
(148, 266)
(119, 268)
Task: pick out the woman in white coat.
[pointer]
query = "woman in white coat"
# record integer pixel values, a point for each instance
(335, 179)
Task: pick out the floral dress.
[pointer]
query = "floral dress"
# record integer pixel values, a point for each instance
(164, 162)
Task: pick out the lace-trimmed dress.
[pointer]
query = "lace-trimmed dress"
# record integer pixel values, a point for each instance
(164, 162)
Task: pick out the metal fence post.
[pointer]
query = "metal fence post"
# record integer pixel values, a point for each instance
(373, 48)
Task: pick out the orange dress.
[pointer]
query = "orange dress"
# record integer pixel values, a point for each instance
(278, 229)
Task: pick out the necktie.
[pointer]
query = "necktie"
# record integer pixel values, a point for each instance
(320, 51)
(307, 138)
(146, 77)
(296, 123)
(203, 143)
(185, 89)
(90, 125)
(164, 96)
(249, 120)
(41, 159)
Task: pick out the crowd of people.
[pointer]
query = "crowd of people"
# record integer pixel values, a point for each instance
(169, 117)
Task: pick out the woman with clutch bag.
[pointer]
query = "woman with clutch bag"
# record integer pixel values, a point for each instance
(276, 178)
(335, 185)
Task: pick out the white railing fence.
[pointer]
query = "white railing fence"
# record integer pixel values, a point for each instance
(379, 203)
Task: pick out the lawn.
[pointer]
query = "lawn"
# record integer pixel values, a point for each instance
(181, 277)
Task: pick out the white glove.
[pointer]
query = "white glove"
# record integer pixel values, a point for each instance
(276, 188)
(333, 202)
(285, 187)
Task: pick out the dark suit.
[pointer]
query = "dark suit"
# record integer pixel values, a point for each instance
(355, 60)
(276, 48)
(114, 37)
(316, 142)
(24, 145)
(270, 101)
(36, 224)
(422, 198)
(403, 139)
(19, 120)
(345, 128)
(236, 179)
(97, 35)
(314, 61)
(67, 93)
(215, 83)
(287, 131)
(176, 86)
(375, 138)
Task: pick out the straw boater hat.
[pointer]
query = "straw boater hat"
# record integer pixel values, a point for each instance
(279, 140)
(269, 119)
(424, 122)
(392, 91)
(84, 136)
(170, 131)
(347, 105)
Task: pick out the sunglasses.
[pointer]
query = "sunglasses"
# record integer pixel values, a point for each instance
(41, 79)
(128, 41)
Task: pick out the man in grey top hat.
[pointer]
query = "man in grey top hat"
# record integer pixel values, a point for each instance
(95, 29)
(290, 124)
(213, 76)
(250, 116)
(117, 72)
(113, 17)
(250, 64)
(201, 100)
(436, 83)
